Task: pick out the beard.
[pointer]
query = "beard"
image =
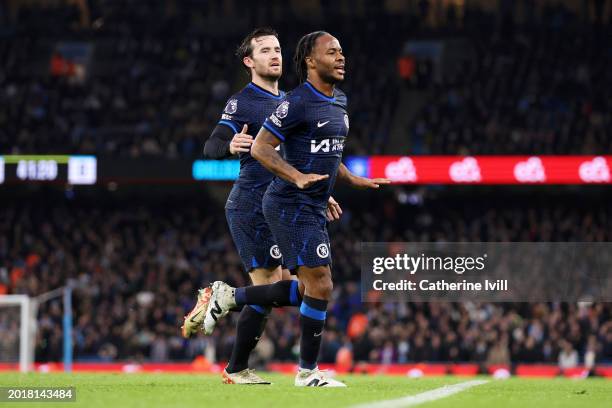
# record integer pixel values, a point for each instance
(271, 76)
(268, 75)
(329, 77)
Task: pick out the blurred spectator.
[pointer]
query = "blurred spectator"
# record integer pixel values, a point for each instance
(498, 354)
(590, 356)
(568, 357)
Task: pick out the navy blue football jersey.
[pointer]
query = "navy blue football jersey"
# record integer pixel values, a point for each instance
(313, 128)
(251, 106)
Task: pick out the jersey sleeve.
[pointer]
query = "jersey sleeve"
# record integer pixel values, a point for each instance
(288, 116)
(233, 115)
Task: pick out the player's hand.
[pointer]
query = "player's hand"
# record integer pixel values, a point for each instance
(241, 142)
(362, 182)
(307, 180)
(333, 210)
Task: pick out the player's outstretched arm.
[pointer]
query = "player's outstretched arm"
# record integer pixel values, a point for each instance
(264, 151)
(345, 175)
(223, 143)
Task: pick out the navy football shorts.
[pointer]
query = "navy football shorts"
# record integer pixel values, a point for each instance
(301, 233)
(253, 239)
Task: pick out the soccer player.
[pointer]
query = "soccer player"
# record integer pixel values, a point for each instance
(312, 122)
(260, 53)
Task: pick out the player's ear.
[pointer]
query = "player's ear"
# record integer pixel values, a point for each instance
(310, 62)
(248, 61)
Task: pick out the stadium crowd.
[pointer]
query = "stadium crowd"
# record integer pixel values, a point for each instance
(537, 90)
(157, 78)
(159, 73)
(137, 267)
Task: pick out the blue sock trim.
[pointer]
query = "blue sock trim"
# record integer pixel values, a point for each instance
(259, 309)
(312, 312)
(293, 294)
(240, 296)
(307, 366)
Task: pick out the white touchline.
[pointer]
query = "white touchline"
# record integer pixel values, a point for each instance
(427, 396)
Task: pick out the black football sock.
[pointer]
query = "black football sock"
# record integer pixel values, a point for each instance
(279, 294)
(312, 319)
(251, 324)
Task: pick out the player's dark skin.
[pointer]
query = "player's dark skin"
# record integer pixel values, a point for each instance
(325, 68)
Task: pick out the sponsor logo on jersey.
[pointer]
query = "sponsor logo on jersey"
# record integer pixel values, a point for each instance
(275, 120)
(281, 113)
(231, 107)
(326, 145)
(282, 110)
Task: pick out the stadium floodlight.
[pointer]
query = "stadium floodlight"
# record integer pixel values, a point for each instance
(27, 327)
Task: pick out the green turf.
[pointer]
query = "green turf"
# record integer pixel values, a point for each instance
(170, 390)
(538, 393)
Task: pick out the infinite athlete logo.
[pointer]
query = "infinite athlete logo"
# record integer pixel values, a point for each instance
(326, 145)
(346, 122)
(275, 252)
(231, 107)
(322, 251)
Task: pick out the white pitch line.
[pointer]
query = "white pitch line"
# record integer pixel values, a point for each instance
(431, 395)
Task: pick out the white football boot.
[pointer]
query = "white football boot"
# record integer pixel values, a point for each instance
(193, 320)
(221, 301)
(246, 376)
(315, 378)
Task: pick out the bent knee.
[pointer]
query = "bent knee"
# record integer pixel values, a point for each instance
(263, 276)
(320, 286)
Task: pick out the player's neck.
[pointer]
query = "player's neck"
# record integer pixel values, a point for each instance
(324, 87)
(269, 85)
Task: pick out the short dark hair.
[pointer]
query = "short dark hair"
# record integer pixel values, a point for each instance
(245, 49)
(303, 50)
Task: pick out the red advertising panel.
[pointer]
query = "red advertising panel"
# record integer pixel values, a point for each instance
(493, 169)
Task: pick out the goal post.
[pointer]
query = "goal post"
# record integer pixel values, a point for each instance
(27, 326)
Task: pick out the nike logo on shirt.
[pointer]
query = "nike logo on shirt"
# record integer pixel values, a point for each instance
(319, 124)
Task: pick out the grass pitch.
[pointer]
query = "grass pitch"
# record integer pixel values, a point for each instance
(198, 390)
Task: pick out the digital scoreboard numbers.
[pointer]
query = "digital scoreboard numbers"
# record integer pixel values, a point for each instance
(37, 170)
(77, 170)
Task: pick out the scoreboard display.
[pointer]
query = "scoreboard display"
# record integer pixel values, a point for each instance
(427, 170)
(76, 170)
